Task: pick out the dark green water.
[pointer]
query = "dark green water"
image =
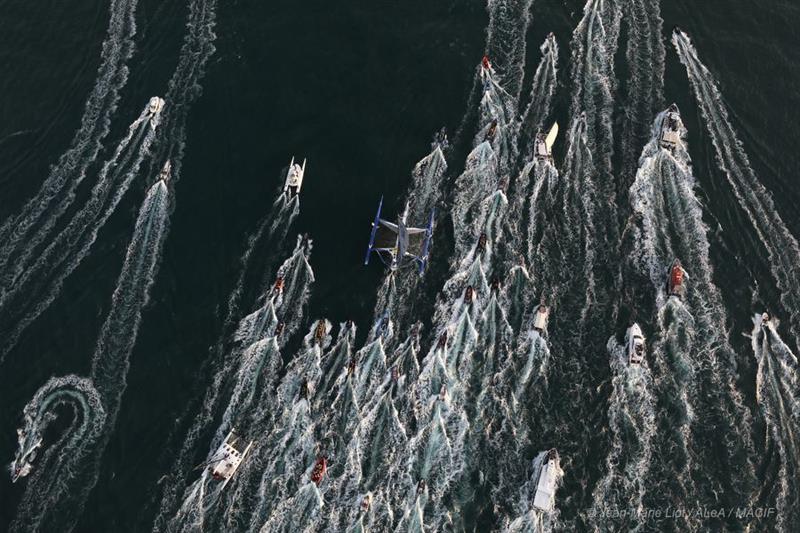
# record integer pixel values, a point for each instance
(358, 88)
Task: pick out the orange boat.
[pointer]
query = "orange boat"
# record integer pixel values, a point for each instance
(320, 469)
(675, 280)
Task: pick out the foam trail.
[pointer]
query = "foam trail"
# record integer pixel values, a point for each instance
(36, 279)
(423, 198)
(632, 421)
(777, 389)
(285, 307)
(753, 198)
(594, 44)
(184, 86)
(35, 221)
(505, 40)
(269, 235)
(543, 88)
(71, 467)
(644, 94)
(667, 224)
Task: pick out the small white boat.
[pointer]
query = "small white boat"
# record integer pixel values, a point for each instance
(543, 145)
(634, 342)
(544, 499)
(229, 457)
(23, 463)
(155, 105)
(294, 179)
(670, 135)
(166, 171)
(540, 318)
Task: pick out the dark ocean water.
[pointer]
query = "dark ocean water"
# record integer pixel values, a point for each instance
(358, 88)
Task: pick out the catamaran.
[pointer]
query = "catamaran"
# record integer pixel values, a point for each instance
(399, 245)
(229, 457)
(294, 179)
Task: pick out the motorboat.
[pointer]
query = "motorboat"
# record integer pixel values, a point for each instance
(294, 179)
(166, 171)
(469, 294)
(320, 332)
(486, 67)
(279, 327)
(544, 498)
(495, 285)
(482, 242)
(541, 316)
(675, 279)
(320, 469)
(305, 389)
(543, 144)
(491, 132)
(229, 457)
(154, 107)
(634, 343)
(276, 291)
(440, 140)
(23, 463)
(366, 502)
(442, 342)
(670, 135)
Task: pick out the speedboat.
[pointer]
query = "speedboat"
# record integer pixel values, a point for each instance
(634, 342)
(486, 67)
(491, 132)
(442, 342)
(540, 318)
(278, 287)
(229, 457)
(366, 502)
(675, 279)
(320, 469)
(544, 499)
(305, 389)
(469, 294)
(294, 179)
(23, 463)
(320, 332)
(440, 140)
(166, 170)
(154, 108)
(279, 327)
(494, 285)
(765, 320)
(670, 135)
(482, 242)
(543, 144)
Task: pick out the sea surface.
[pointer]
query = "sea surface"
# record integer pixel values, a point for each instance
(137, 288)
